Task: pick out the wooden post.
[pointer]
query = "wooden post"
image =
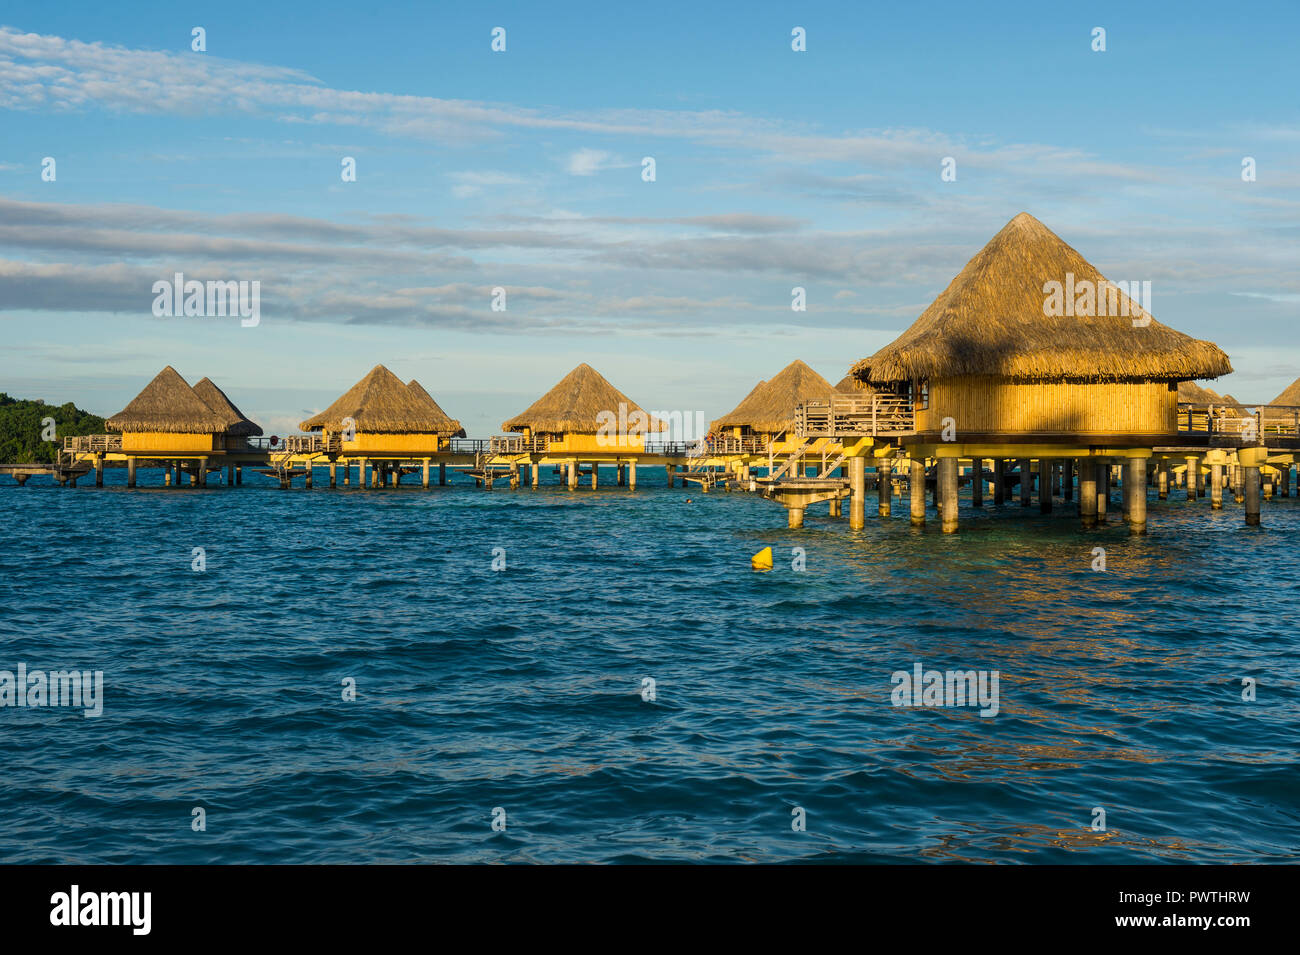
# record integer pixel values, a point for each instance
(1216, 487)
(1268, 484)
(884, 486)
(130, 472)
(1251, 493)
(795, 517)
(442, 475)
(857, 492)
(1088, 492)
(347, 472)
(1044, 486)
(334, 475)
(1067, 479)
(1193, 474)
(573, 475)
(1026, 482)
(514, 475)
(202, 474)
(618, 475)
(1056, 479)
(631, 475)
(536, 468)
(309, 472)
(167, 476)
(917, 492)
(99, 470)
(670, 471)
(230, 475)
(395, 475)
(1286, 480)
(948, 498)
(1162, 479)
(977, 482)
(1103, 488)
(239, 474)
(361, 474)
(836, 509)
(1136, 481)
(999, 481)
(595, 471)
(424, 473)
(1238, 485)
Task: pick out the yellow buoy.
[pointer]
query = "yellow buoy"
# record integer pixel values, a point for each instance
(762, 560)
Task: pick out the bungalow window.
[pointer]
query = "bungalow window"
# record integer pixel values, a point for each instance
(920, 395)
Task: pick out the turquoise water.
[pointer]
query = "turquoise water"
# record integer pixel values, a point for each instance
(521, 688)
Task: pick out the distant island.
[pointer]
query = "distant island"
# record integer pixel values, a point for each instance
(20, 428)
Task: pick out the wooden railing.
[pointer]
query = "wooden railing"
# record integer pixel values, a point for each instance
(517, 444)
(93, 443)
(312, 444)
(855, 415)
(1244, 420)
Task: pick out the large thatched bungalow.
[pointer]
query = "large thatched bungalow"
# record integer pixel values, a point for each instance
(584, 413)
(379, 417)
(238, 426)
(168, 416)
(1001, 363)
(768, 411)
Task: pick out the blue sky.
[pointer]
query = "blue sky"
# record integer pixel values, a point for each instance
(522, 169)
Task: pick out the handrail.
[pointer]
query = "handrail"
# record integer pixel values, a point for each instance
(865, 414)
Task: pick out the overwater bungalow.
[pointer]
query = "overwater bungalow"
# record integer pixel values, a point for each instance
(583, 419)
(768, 412)
(995, 368)
(383, 422)
(238, 426)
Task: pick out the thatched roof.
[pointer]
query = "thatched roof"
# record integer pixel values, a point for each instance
(449, 425)
(770, 407)
(215, 398)
(380, 403)
(572, 407)
(848, 385)
(990, 322)
(1290, 395)
(167, 404)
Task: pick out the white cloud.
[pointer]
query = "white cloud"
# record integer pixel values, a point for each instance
(587, 162)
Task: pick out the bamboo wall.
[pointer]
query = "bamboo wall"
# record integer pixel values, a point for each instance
(989, 405)
(378, 442)
(171, 441)
(608, 444)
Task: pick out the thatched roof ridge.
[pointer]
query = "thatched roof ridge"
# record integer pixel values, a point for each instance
(1290, 395)
(237, 423)
(770, 407)
(447, 424)
(990, 322)
(167, 404)
(379, 402)
(574, 404)
(847, 385)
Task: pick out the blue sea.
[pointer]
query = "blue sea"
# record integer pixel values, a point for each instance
(520, 694)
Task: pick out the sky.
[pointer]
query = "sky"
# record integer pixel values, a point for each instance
(522, 169)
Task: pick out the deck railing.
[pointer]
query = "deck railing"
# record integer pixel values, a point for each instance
(517, 444)
(312, 444)
(1239, 420)
(868, 414)
(93, 443)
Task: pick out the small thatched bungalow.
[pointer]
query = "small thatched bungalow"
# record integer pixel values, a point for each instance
(585, 413)
(169, 416)
(238, 426)
(987, 354)
(768, 411)
(381, 417)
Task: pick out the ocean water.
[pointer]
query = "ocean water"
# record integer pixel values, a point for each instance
(521, 689)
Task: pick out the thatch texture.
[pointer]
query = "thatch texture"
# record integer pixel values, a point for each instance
(770, 407)
(573, 407)
(848, 385)
(169, 405)
(447, 425)
(1290, 395)
(380, 404)
(990, 322)
(236, 422)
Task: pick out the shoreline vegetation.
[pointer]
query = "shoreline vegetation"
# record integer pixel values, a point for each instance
(22, 423)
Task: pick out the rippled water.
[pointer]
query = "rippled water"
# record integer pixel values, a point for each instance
(521, 689)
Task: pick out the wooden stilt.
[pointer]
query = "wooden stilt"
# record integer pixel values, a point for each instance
(202, 473)
(977, 482)
(1044, 485)
(1088, 492)
(573, 475)
(884, 486)
(1067, 479)
(1193, 469)
(1250, 492)
(307, 483)
(595, 471)
(1136, 481)
(442, 475)
(948, 499)
(230, 475)
(999, 481)
(916, 492)
(1216, 487)
(631, 475)
(1103, 489)
(99, 470)
(167, 476)
(1162, 480)
(424, 473)
(130, 472)
(857, 493)
(1026, 482)
(239, 475)
(670, 471)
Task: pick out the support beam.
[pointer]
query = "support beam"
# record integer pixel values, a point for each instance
(795, 517)
(1067, 479)
(1250, 478)
(917, 492)
(536, 468)
(424, 473)
(99, 470)
(361, 474)
(230, 475)
(202, 473)
(572, 467)
(1044, 485)
(857, 493)
(999, 481)
(595, 472)
(1162, 480)
(948, 497)
(1088, 492)
(1193, 473)
(1026, 482)
(334, 475)
(1216, 487)
(1136, 481)
(1103, 488)
(442, 475)
(631, 475)
(309, 471)
(884, 486)
(130, 472)
(977, 482)
(670, 472)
